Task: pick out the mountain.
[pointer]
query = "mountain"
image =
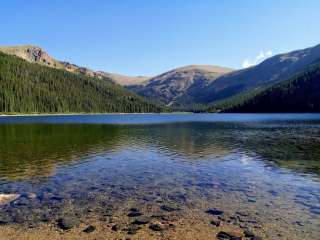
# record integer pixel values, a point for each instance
(37, 88)
(194, 85)
(300, 93)
(267, 73)
(124, 80)
(34, 54)
(180, 86)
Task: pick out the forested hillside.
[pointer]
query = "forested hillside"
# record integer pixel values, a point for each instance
(300, 93)
(32, 88)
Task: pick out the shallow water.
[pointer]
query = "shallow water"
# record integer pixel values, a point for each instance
(262, 171)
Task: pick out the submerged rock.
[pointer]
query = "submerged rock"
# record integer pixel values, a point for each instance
(141, 220)
(229, 236)
(117, 227)
(89, 229)
(7, 198)
(132, 229)
(248, 234)
(158, 226)
(215, 223)
(215, 212)
(169, 208)
(67, 223)
(134, 214)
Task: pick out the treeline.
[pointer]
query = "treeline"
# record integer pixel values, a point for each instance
(31, 88)
(301, 93)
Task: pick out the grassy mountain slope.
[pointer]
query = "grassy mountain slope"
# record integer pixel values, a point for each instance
(193, 86)
(180, 86)
(124, 80)
(267, 73)
(27, 87)
(300, 93)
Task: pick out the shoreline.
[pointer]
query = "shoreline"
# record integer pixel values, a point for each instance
(80, 114)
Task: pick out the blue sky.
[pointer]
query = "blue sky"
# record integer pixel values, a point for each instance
(147, 37)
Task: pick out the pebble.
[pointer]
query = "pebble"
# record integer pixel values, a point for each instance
(215, 223)
(67, 223)
(248, 233)
(141, 220)
(132, 229)
(134, 214)
(228, 236)
(168, 208)
(7, 198)
(214, 212)
(158, 226)
(89, 229)
(117, 227)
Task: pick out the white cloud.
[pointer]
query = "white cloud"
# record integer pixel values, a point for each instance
(259, 58)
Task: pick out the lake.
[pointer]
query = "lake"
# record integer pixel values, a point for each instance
(161, 176)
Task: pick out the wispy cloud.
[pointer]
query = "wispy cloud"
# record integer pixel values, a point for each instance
(259, 58)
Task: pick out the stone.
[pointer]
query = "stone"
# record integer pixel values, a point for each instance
(7, 198)
(169, 208)
(141, 220)
(215, 212)
(228, 236)
(134, 214)
(215, 223)
(134, 209)
(89, 229)
(256, 238)
(132, 229)
(248, 233)
(31, 196)
(117, 227)
(158, 226)
(69, 222)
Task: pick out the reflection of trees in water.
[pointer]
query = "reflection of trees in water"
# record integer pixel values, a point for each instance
(34, 150)
(295, 148)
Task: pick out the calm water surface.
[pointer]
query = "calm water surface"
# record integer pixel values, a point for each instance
(262, 171)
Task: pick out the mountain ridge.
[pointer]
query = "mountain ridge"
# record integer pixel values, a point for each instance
(36, 54)
(173, 86)
(33, 88)
(300, 93)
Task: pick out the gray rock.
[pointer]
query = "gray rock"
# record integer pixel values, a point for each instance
(169, 208)
(248, 233)
(89, 229)
(141, 220)
(227, 236)
(69, 222)
(215, 223)
(132, 229)
(117, 227)
(158, 227)
(214, 212)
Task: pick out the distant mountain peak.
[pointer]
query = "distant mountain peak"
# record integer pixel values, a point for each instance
(33, 54)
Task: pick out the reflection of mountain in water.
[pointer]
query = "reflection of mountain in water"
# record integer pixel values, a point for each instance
(193, 141)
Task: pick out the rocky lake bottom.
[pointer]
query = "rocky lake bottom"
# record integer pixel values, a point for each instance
(243, 177)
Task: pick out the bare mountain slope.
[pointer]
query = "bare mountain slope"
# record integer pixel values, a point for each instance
(180, 85)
